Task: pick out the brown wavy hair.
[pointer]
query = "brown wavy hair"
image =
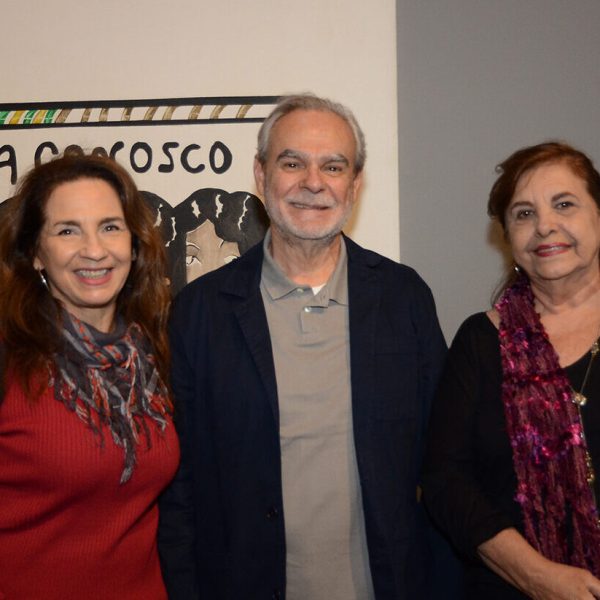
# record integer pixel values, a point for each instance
(524, 160)
(30, 317)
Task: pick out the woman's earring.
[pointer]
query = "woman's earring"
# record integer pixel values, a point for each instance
(517, 268)
(43, 278)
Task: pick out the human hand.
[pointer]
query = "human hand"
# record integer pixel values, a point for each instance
(563, 582)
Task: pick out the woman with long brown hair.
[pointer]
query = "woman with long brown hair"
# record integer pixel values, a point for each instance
(86, 438)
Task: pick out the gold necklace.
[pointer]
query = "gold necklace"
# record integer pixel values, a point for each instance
(578, 397)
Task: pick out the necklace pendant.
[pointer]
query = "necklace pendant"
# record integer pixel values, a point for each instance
(579, 399)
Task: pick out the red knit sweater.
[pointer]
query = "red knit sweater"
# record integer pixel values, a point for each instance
(68, 529)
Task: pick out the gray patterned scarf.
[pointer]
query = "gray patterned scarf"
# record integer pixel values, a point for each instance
(110, 379)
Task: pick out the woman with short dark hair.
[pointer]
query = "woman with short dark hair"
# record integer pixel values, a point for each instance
(515, 431)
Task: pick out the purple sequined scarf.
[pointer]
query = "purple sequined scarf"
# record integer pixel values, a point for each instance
(546, 435)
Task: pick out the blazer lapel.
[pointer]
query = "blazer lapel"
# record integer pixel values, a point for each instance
(250, 312)
(364, 293)
(253, 322)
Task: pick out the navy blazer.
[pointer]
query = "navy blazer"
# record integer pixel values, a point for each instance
(221, 532)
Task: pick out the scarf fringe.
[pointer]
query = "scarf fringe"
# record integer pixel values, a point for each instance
(111, 380)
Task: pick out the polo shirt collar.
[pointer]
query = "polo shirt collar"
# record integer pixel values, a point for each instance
(278, 285)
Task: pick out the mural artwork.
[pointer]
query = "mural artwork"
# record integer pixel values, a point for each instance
(191, 157)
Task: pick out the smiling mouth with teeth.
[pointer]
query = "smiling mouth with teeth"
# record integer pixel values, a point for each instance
(309, 206)
(92, 274)
(551, 248)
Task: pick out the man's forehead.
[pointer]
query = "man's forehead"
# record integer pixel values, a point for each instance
(307, 117)
(315, 131)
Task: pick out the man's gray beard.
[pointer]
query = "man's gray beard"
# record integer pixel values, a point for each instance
(292, 237)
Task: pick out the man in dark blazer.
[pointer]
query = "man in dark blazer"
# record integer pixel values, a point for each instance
(303, 374)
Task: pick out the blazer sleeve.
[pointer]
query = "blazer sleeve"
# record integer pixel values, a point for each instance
(176, 529)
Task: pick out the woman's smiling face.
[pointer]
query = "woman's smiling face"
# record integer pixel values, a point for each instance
(553, 224)
(85, 249)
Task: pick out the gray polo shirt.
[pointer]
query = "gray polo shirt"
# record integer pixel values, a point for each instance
(327, 555)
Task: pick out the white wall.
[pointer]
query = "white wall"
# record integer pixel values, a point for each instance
(116, 49)
(478, 79)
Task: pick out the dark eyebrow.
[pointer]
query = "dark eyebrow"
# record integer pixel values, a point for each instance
(288, 153)
(111, 219)
(562, 195)
(77, 224)
(555, 197)
(338, 158)
(519, 203)
(65, 223)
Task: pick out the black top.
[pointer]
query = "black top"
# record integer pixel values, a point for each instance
(469, 480)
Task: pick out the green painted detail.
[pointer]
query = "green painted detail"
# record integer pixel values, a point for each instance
(29, 115)
(50, 116)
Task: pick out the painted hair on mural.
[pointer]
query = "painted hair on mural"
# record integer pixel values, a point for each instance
(206, 230)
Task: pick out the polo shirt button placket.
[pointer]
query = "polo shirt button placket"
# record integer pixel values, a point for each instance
(272, 513)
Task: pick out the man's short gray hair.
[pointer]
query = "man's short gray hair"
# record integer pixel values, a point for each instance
(288, 104)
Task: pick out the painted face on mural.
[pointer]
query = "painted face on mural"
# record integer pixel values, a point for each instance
(206, 251)
(308, 180)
